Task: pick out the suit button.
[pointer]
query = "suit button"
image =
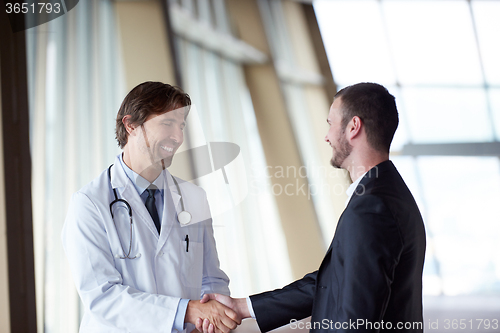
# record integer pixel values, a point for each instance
(160, 254)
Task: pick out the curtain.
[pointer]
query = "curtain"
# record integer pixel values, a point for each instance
(250, 240)
(75, 90)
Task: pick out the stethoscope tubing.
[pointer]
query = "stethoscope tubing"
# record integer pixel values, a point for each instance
(129, 209)
(183, 217)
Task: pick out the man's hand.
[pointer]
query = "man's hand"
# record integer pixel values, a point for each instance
(222, 317)
(239, 305)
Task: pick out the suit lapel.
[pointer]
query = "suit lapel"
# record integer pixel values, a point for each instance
(338, 224)
(361, 189)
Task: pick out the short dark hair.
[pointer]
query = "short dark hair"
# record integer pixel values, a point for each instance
(376, 108)
(146, 99)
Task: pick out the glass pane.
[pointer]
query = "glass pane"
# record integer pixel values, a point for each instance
(402, 136)
(433, 42)
(486, 17)
(355, 41)
(407, 168)
(494, 99)
(447, 115)
(462, 196)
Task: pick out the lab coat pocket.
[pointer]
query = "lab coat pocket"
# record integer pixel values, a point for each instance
(191, 263)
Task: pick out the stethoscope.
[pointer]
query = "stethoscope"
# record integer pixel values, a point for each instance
(184, 217)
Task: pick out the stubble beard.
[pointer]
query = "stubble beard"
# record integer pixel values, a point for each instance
(156, 162)
(343, 151)
(159, 163)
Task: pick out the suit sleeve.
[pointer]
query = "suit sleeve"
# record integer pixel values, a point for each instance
(99, 283)
(276, 308)
(370, 245)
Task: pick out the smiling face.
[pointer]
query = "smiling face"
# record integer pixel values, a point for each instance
(161, 135)
(336, 136)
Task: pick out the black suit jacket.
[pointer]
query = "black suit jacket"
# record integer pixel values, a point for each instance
(371, 277)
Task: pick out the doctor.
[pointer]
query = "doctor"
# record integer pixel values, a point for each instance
(137, 268)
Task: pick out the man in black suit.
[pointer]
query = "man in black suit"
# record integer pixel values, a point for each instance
(371, 277)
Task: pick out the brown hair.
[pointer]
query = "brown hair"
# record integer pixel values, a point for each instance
(376, 108)
(146, 99)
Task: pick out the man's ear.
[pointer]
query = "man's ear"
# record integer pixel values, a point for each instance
(129, 127)
(354, 127)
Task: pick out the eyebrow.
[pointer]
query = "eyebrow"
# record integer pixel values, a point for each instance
(173, 120)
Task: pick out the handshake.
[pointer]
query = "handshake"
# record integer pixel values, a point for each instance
(216, 313)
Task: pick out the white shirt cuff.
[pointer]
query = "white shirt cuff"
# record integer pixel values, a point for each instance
(180, 315)
(250, 308)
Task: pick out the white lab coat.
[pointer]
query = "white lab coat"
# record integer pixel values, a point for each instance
(142, 294)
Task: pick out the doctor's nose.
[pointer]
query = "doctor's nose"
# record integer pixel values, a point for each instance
(177, 136)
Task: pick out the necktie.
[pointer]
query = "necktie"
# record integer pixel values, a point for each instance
(151, 207)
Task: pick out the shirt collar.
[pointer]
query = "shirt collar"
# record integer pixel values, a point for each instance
(352, 188)
(138, 180)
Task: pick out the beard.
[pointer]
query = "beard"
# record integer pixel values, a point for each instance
(341, 151)
(156, 160)
(166, 162)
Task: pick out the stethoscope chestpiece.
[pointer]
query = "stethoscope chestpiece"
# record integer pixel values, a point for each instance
(184, 217)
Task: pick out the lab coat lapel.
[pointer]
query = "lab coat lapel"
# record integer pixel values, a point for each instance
(126, 190)
(173, 190)
(170, 202)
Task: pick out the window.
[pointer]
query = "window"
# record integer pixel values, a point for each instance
(439, 60)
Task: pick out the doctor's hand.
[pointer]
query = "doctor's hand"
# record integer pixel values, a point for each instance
(222, 318)
(237, 304)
